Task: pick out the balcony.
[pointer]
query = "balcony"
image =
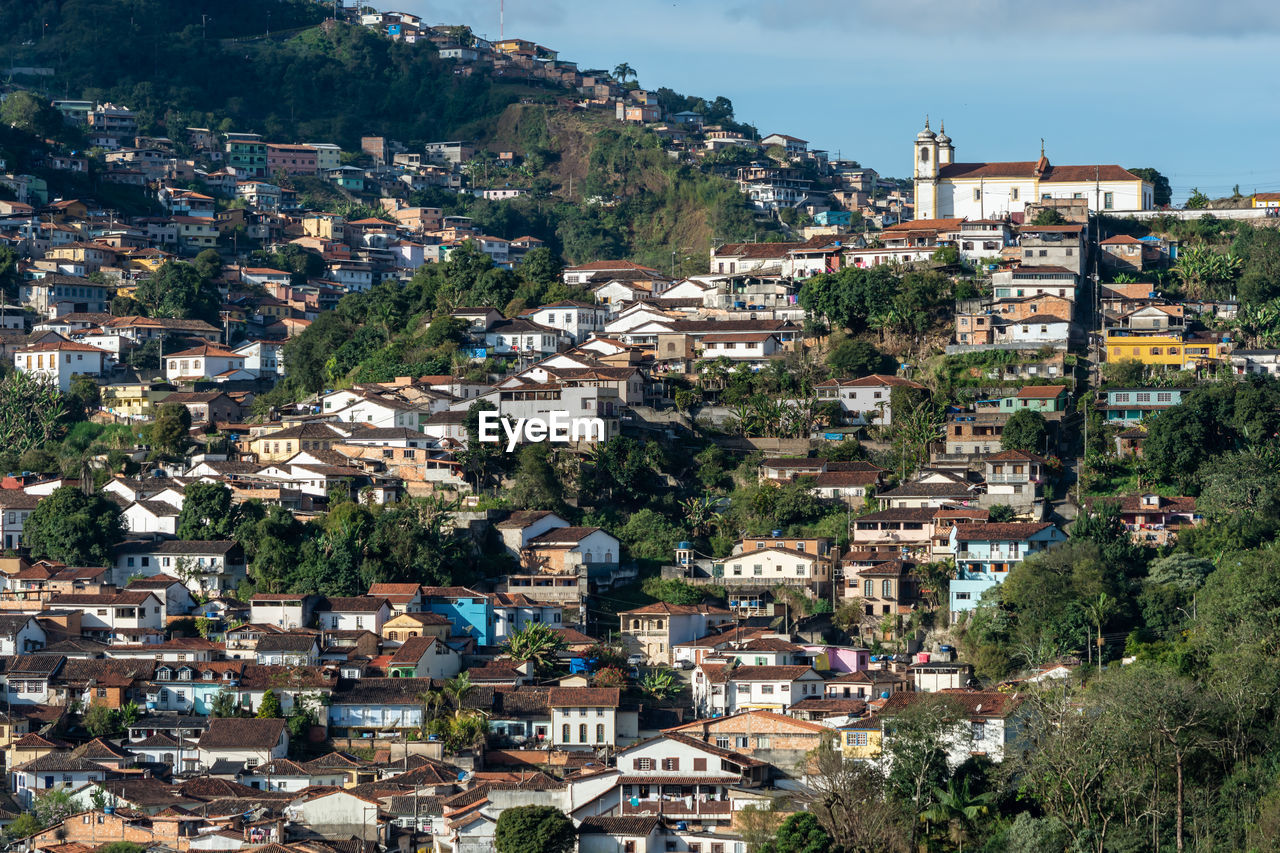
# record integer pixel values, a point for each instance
(680, 807)
(1013, 479)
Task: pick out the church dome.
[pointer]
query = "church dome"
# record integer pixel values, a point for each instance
(926, 135)
(943, 139)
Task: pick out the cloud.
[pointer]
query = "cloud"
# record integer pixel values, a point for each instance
(1132, 20)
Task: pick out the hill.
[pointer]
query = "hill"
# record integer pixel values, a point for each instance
(278, 67)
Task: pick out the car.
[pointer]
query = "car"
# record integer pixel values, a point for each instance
(635, 660)
(683, 664)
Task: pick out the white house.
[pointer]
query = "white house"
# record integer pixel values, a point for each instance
(20, 634)
(15, 507)
(250, 741)
(684, 779)
(578, 320)
(282, 610)
(588, 718)
(111, 613)
(991, 722)
(867, 399)
(754, 347)
(151, 516)
(353, 613)
(204, 361)
(724, 689)
(55, 771)
(60, 360)
(263, 358)
(521, 337)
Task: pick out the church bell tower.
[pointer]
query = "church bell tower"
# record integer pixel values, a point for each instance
(926, 173)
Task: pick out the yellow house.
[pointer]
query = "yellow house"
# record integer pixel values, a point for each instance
(135, 398)
(397, 629)
(1266, 199)
(147, 260)
(1168, 350)
(862, 739)
(282, 444)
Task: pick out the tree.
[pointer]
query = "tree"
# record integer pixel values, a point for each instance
(855, 359)
(54, 806)
(224, 704)
(1245, 483)
(74, 528)
(32, 412)
(672, 591)
(101, 721)
(958, 809)
(456, 689)
(270, 707)
(178, 290)
(1049, 216)
(207, 512)
(622, 71)
(85, 395)
(170, 430)
(535, 643)
(915, 743)
(661, 684)
(25, 111)
(534, 829)
(1025, 430)
(1001, 513)
(537, 485)
(1163, 192)
(852, 803)
(1197, 200)
(799, 833)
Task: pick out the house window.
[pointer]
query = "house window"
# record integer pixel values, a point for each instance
(1013, 194)
(766, 689)
(868, 589)
(979, 731)
(762, 743)
(670, 764)
(600, 733)
(886, 588)
(1108, 201)
(855, 739)
(977, 195)
(566, 735)
(644, 764)
(722, 741)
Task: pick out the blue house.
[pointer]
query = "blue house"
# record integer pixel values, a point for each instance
(833, 217)
(470, 612)
(1130, 405)
(986, 553)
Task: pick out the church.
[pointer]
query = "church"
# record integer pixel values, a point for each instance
(946, 189)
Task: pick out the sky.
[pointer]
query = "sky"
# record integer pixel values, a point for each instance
(1185, 86)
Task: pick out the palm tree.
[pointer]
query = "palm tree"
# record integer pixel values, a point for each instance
(1100, 611)
(456, 688)
(537, 643)
(957, 809)
(622, 71)
(660, 684)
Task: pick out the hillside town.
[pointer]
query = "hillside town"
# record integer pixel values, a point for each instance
(335, 520)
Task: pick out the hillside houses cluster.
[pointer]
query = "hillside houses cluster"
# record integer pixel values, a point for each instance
(186, 772)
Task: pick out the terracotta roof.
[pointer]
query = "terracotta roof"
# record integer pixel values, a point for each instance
(1121, 240)
(590, 697)
(875, 380)
(1003, 532)
(1040, 392)
(242, 733)
(975, 703)
(663, 608)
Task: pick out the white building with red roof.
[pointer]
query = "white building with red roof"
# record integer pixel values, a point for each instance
(947, 188)
(61, 360)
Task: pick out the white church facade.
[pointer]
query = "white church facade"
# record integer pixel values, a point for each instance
(946, 189)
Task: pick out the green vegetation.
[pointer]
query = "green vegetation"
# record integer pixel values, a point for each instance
(74, 528)
(534, 829)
